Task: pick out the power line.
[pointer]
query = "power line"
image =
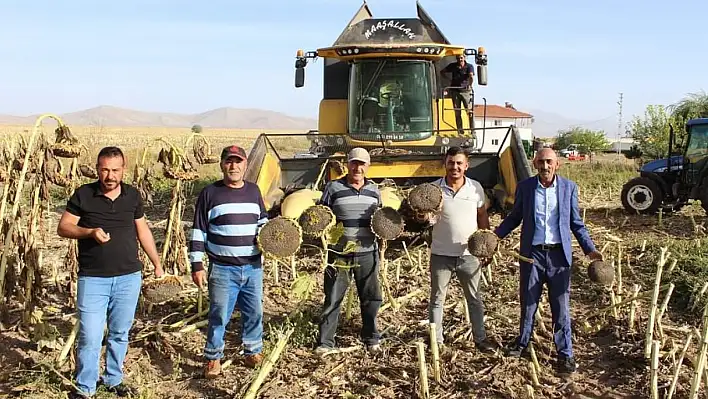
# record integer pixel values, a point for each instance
(619, 122)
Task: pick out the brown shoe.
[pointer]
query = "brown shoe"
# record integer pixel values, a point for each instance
(253, 360)
(212, 369)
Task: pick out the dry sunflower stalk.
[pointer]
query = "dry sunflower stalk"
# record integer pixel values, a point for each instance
(142, 180)
(175, 165)
(88, 171)
(202, 151)
(66, 145)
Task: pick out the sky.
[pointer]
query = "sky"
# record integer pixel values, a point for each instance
(188, 56)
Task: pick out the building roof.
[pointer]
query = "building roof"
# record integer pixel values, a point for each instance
(499, 111)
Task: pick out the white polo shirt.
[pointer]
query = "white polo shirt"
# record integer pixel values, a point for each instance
(458, 218)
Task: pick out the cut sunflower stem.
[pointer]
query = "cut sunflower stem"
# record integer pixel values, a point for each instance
(268, 364)
(435, 352)
(424, 391)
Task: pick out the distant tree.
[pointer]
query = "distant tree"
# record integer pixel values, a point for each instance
(197, 129)
(651, 133)
(694, 105)
(588, 141)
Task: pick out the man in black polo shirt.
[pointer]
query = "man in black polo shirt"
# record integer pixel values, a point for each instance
(107, 219)
(461, 80)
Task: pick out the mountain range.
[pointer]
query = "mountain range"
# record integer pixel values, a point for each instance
(546, 124)
(228, 118)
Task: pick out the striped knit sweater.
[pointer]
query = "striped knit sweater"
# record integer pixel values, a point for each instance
(353, 208)
(226, 222)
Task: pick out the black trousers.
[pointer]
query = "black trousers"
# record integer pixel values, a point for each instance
(364, 267)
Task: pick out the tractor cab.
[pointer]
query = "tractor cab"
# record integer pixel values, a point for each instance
(670, 183)
(696, 155)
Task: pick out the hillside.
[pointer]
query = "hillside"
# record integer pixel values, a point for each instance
(547, 124)
(231, 118)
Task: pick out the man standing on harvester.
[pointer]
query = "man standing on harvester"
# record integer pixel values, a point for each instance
(461, 80)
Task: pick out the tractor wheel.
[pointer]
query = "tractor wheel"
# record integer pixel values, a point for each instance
(703, 195)
(641, 195)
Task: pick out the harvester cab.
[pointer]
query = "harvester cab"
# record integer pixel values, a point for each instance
(672, 182)
(384, 91)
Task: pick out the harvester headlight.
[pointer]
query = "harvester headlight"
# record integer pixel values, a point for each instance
(340, 141)
(426, 50)
(418, 50)
(445, 141)
(356, 51)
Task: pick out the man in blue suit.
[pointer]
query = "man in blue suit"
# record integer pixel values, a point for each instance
(548, 206)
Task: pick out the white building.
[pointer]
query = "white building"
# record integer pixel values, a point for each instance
(623, 144)
(498, 117)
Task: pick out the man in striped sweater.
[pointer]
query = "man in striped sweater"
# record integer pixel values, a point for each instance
(227, 218)
(353, 200)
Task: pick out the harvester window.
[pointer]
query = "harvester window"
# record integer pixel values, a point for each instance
(391, 100)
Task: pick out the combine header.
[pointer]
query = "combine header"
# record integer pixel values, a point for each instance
(384, 91)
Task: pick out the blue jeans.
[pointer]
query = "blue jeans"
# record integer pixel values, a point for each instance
(98, 297)
(230, 286)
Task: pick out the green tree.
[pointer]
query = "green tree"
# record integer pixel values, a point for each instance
(588, 141)
(694, 105)
(197, 129)
(651, 132)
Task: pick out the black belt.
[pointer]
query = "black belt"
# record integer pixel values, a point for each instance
(548, 247)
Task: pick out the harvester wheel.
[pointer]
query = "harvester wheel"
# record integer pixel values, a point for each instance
(641, 195)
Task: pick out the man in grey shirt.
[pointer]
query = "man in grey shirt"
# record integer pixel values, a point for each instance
(353, 200)
(463, 212)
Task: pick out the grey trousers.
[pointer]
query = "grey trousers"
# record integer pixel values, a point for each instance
(468, 271)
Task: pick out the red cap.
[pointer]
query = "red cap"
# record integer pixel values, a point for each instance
(233, 151)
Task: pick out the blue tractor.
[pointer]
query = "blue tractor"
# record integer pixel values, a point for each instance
(670, 183)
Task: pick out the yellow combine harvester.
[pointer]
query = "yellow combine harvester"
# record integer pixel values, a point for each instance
(383, 91)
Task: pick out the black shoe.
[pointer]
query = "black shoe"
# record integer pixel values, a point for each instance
(77, 395)
(124, 391)
(485, 346)
(566, 365)
(516, 350)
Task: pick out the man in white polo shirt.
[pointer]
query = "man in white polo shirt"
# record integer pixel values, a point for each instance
(463, 212)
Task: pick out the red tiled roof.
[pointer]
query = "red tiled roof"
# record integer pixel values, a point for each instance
(499, 111)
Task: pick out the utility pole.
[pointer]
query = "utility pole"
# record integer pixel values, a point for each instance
(619, 123)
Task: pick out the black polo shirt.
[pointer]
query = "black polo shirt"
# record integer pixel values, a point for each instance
(118, 256)
(460, 75)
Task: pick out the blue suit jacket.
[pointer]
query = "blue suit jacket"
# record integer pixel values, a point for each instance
(570, 220)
